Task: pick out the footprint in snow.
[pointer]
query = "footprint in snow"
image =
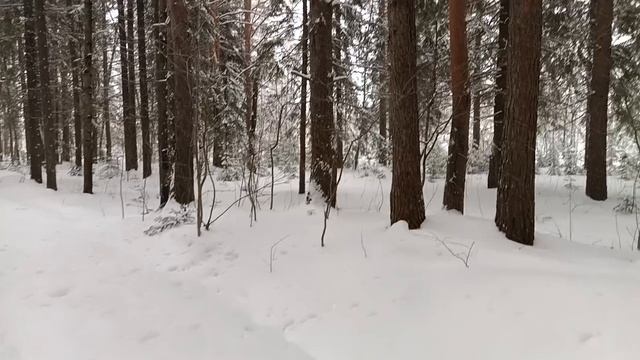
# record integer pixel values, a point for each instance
(231, 255)
(59, 292)
(150, 335)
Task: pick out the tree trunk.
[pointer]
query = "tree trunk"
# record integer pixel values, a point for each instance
(322, 126)
(32, 117)
(382, 87)
(144, 97)
(459, 140)
(75, 84)
(515, 207)
(338, 71)
(181, 52)
(477, 98)
(164, 168)
(45, 96)
(130, 147)
(407, 202)
(65, 110)
(106, 72)
(87, 100)
(597, 104)
(499, 101)
(303, 99)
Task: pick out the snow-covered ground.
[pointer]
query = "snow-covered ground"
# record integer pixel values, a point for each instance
(78, 282)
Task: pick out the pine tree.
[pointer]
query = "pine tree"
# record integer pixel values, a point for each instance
(164, 168)
(515, 207)
(34, 113)
(499, 101)
(180, 55)
(303, 98)
(50, 126)
(459, 139)
(87, 99)
(322, 125)
(407, 202)
(130, 147)
(597, 105)
(144, 97)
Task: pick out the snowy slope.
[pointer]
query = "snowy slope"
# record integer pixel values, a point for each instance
(79, 282)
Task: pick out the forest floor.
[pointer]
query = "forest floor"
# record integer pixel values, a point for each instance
(79, 282)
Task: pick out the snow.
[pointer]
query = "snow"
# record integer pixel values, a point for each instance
(79, 282)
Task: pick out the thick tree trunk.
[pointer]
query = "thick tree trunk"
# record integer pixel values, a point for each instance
(50, 127)
(515, 210)
(130, 147)
(407, 202)
(322, 125)
(303, 99)
(164, 168)
(597, 105)
(181, 52)
(32, 117)
(499, 101)
(459, 140)
(144, 96)
(88, 130)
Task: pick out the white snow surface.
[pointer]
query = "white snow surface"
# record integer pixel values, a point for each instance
(78, 282)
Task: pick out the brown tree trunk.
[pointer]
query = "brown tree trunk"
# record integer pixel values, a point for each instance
(88, 130)
(181, 52)
(303, 99)
(322, 125)
(407, 202)
(130, 147)
(32, 118)
(597, 104)
(515, 207)
(459, 140)
(50, 127)
(144, 96)
(164, 168)
(495, 162)
(339, 43)
(477, 98)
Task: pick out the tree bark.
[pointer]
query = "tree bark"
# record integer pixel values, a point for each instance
(144, 96)
(164, 166)
(459, 140)
(499, 101)
(106, 72)
(322, 125)
(181, 52)
(597, 104)
(407, 202)
(382, 87)
(32, 117)
(87, 100)
(303, 99)
(75, 84)
(515, 206)
(50, 127)
(130, 147)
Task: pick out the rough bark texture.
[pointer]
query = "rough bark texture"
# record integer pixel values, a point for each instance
(181, 51)
(144, 96)
(32, 119)
(597, 105)
(164, 168)
(499, 101)
(407, 202)
(459, 140)
(477, 97)
(515, 210)
(130, 147)
(322, 125)
(87, 100)
(303, 99)
(50, 127)
(338, 85)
